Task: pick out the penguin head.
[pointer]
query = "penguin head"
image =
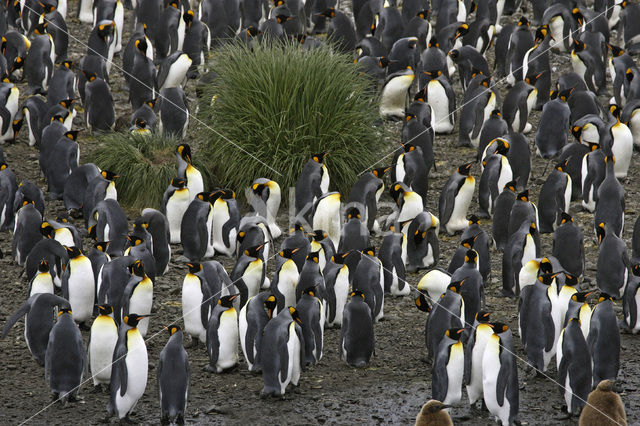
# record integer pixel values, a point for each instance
(270, 303)
(454, 54)
(339, 258)
(47, 8)
(471, 256)
(396, 190)
(524, 22)
(578, 16)
(421, 303)
(462, 30)
(455, 286)
(226, 194)
(140, 224)
(319, 158)
(604, 297)
(531, 79)
(421, 95)
(356, 293)
(424, 14)
(105, 32)
(92, 232)
(369, 251)
(258, 188)
(433, 407)
(499, 327)
(545, 266)
(615, 111)
(328, 13)
(65, 310)
(581, 296)
(511, 185)
(564, 95)
(141, 45)
(454, 333)
(635, 269)
(134, 240)
(43, 266)
(295, 315)
(483, 317)
(379, 172)
(108, 175)
(101, 246)
(311, 291)
(468, 242)
(383, 62)
(227, 301)
(137, 269)
(288, 253)
(18, 63)
(172, 329)
(465, 168)
(194, 267)
(562, 165)
(300, 38)
(72, 135)
(319, 235)
(576, 131)
(297, 227)
(353, 213)
(174, 4)
(105, 309)
(532, 228)
(408, 116)
(188, 17)
(419, 236)
(524, 196)
(601, 232)
(547, 278)
(623, 5)
(615, 50)
(314, 257)
(184, 151)
(73, 252)
(433, 42)
(565, 218)
(496, 113)
(570, 279)
(132, 319)
(502, 146)
(412, 42)
(47, 230)
(486, 81)
(3, 166)
(255, 251)
(139, 123)
(282, 18)
(41, 28)
(578, 45)
(89, 75)
(610, 159)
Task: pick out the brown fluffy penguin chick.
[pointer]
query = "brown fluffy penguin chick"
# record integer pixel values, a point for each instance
(604, 407)
(433, 414)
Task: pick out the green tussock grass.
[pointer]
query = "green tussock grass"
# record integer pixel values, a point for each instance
(282, 104)
(146, 165)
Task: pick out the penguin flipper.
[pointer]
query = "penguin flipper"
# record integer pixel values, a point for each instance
(283, 352)
(302, 346)
(448, 198)
(523, 112)
(22, 311)
(439, 380)
(468, 354)
(549, 326)
(630, 306)
(6, 119)
(501, 384)
(213, 342)
(562, 372)
(205, 307)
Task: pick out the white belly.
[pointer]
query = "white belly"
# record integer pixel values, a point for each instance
(622, 149)
(242, 333)
(490, 370)
(458, 220)
(177, 72)
(137, 361)
(252, 277)
(455, 373)
(140, 303)
(220, 218)
(287, 283)
(228, 338)
(176, 207)
(191, 312)
(293, 370)
(104, 336)
(341, 289)
(474, 388)
(82, 291)
(439, 101)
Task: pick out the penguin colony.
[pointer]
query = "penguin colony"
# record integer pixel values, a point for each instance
(327, 272)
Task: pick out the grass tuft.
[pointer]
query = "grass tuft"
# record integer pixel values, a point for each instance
(282, 104)
(146, 165)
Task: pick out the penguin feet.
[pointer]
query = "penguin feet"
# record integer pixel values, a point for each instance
(210, 368)
(194, 343)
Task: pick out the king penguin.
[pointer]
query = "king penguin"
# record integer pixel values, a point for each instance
(173, 378)
(455, 199)
(500, 375)
(222, 336)
(65, 359)
(448, 368)
(574, 366)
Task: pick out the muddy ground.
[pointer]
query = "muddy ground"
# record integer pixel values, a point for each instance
(390, 390)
